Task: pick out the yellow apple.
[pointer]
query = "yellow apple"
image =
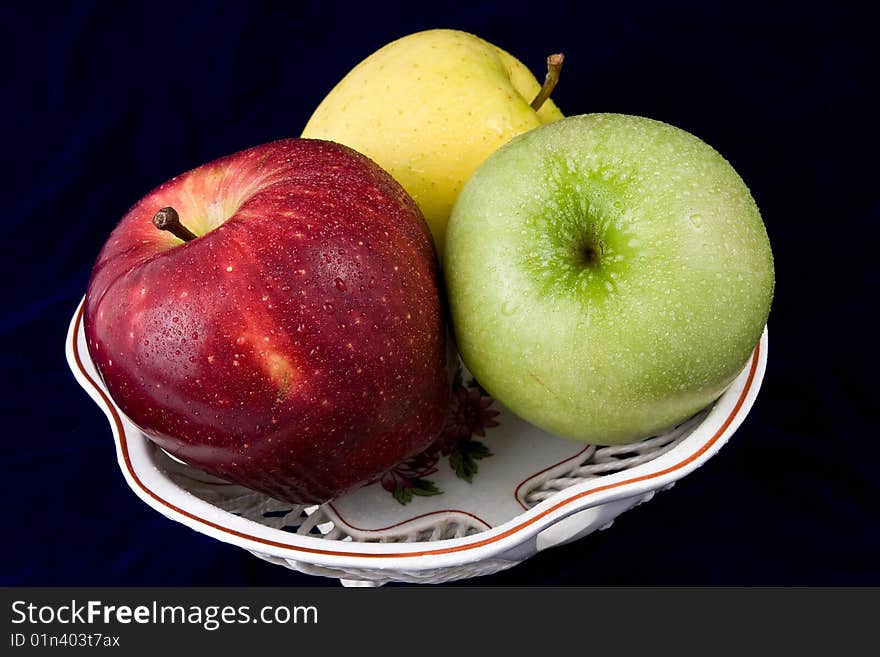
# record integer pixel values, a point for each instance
(429, 108)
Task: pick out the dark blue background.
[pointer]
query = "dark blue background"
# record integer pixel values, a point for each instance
(104, 101)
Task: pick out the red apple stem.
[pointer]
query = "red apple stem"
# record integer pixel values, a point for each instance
(168, 219)
(554, 68)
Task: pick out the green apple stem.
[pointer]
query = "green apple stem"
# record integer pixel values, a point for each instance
(168, 219)
(554, 67)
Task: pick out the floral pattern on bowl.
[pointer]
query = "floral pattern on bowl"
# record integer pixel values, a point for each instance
(510, 494)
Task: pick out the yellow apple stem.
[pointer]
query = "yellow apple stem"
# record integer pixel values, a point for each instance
(554, 67)
(168, 219)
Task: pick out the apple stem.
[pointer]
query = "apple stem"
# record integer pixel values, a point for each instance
(168, 219)
(554, 67)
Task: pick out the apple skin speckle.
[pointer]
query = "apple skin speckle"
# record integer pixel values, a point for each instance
(608, 276)
(257, 374)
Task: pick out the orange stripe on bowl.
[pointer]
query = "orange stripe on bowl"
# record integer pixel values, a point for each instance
(400, 555)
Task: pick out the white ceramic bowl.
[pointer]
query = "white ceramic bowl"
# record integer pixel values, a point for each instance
(535, 491)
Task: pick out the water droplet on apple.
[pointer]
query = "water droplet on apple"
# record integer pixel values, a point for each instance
(508, 308)
(192, 359)
(175, 319)
(195, 336)
(328, 308)
(372, 281)
(340, 285)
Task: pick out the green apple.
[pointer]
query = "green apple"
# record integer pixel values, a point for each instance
(608, 276)
(429, 108)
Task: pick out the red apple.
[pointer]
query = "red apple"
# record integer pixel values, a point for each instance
(295, 343)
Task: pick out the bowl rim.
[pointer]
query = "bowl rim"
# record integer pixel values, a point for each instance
(144, 476)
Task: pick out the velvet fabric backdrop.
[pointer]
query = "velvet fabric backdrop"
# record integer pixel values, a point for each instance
(103, 101)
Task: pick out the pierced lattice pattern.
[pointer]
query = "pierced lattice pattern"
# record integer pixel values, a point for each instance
(311, 520)
(602, 461)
